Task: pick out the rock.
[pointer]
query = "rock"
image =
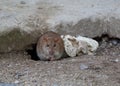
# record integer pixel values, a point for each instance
(16, 82)
(114, 41)
(88, 45)
(71, 45)
(115, 60)
(77, 45)
(83, 67)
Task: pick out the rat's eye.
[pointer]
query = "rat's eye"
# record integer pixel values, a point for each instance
(47, 45)
(54, 45)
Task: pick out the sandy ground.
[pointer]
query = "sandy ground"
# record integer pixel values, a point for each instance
(101, 69)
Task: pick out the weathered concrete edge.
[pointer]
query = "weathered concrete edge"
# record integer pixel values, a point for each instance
(16, 39)
(91, 28)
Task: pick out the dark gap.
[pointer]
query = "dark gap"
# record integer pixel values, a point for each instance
(108, 39)
(104, 37)
(32, 52)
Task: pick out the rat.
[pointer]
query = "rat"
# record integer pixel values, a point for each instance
(50, 46)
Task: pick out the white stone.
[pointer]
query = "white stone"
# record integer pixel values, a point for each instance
(16, 82)
(88, 45)
(83, 66)
(71, 45)
(76, 45)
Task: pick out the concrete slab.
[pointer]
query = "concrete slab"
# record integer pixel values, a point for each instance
(89, 18)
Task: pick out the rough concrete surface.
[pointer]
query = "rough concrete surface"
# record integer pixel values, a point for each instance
(89, 18)
(100, 69)
(23, 21)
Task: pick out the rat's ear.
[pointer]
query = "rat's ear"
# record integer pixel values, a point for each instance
(45, 39)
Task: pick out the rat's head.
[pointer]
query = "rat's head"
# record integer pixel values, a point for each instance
(52, 48)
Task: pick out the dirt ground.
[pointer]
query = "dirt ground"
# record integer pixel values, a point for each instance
(101, 69)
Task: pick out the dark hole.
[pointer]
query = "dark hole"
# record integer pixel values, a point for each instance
(100, 39)
(108, 39)
(32, 52)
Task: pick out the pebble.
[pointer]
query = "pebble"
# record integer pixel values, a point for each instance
(115, 60)
(83, 67)
(16, 82)
(18, 75)
(22, 2)
(114, 41)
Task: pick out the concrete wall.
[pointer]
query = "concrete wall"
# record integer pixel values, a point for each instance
(23, 21)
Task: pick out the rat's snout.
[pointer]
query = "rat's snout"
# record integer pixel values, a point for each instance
(52, 58)
(51, 52)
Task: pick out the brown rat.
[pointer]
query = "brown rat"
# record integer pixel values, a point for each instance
(50, 46)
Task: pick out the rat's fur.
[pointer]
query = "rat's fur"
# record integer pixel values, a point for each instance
(50, 46)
